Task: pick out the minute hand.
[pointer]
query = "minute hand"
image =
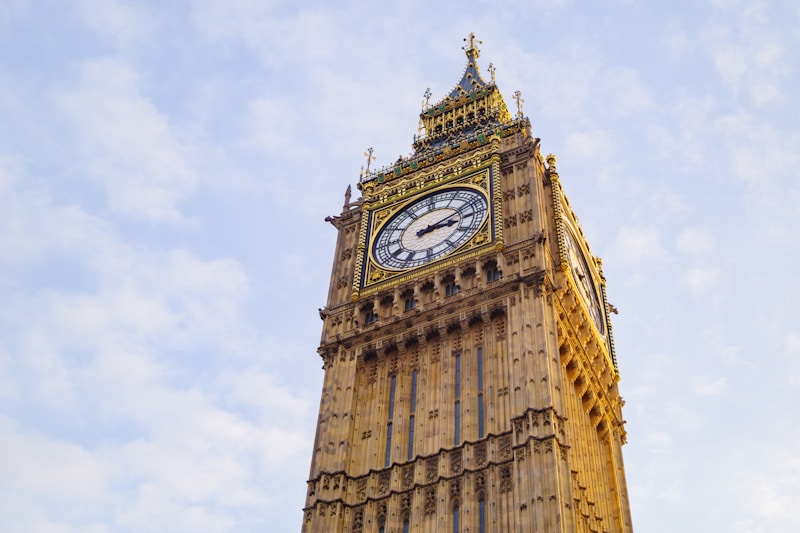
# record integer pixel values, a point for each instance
(448, 221)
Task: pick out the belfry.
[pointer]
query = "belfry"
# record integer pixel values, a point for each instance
(470, 374)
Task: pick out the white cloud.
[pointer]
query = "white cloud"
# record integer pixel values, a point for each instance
(671, 494)
(792, 351)
(701, 280)
(145, 432)
(705, 386)
(771, 493)
(130, 148)
(623, 90)
(696, 241)
(638, 245)
(125, 23)
(658, 442)
(749, 52)
(273, 125)
(590, 144)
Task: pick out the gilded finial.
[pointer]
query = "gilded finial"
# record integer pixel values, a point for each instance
(551, 165)
(370, 157)
(427, 95)
(518, 98)
(472, 50)
(491, 70)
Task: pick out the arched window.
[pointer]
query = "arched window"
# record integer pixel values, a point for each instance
(492, 272)
(409, 302)
(368, 314)
(392, 388)
(411, 418)
(482, 515)
(450, 287)
(480, 394)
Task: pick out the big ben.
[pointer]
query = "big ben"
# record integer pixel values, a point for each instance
(470, 376)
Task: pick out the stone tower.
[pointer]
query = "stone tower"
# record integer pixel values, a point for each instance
(470, 375)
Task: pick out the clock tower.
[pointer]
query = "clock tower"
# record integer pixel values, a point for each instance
(470, 375)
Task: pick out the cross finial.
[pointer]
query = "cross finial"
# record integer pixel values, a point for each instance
(472, 50)
(370, 157)
(518, 98)
(426, 102)
(491, 70)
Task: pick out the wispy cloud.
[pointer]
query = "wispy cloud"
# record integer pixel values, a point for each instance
(129, 146)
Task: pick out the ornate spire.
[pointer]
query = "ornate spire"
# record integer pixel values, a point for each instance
(472, 114)
(472, 50)
(471, 78)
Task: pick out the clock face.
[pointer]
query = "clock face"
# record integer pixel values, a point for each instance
(430, 228)
(583, 280)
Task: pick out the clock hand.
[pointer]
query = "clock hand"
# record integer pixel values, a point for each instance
(448, 221)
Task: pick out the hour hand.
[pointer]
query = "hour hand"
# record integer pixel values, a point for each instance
(430, 227)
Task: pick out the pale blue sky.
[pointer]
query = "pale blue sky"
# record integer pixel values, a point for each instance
(165, 169)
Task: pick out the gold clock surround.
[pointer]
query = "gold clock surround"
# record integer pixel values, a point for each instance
(478, 173)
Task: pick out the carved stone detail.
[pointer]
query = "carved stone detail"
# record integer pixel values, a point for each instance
(517, 422)
(505, 478)
(408, 476)
(430, 500)
(382, 514)
(383, 483)
(455, 462)
(405, 504)
(480, 455)
(505, 448)
(431, 469)
(435, 352)
(500, 330)
(358, 521)
(455, 489)
(521, 453)
(480, 484)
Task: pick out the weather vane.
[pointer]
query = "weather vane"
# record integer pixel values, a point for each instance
(518, 98)
(491, 70)
(471, 47)
(426, 102)
(370, 157)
